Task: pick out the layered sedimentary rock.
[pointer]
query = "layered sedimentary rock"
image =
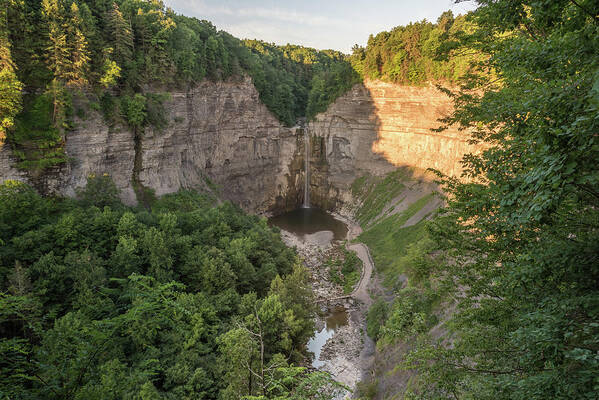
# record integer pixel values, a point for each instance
(375, 128)
(95, 148)
(219, 135)
(8, 169)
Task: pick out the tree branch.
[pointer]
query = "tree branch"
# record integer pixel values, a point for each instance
(595, 17)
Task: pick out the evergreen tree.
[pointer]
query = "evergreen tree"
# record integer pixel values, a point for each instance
(67, 54)
(121, 36)
(58, 54)
(78, 49)
(10, 86)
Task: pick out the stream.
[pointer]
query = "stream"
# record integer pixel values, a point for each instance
(317, 228)
(335, 318)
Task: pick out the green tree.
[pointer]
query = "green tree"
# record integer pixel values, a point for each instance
(110, 74)
(58, 54)
(522, 234)
(10, 86)
(121, 36)
(79, 52)
(135, 110)
(296, 383)
(100, 191)
(239, 356)
(254, 350)
(67, 55)
(78, 321)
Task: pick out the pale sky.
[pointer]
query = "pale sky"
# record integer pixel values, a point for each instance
(322, 24)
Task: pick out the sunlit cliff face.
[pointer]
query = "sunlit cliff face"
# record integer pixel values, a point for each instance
(405, 117)
(377, 127)
(222, 133)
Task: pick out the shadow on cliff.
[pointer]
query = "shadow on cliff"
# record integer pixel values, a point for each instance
(352, 139)
(408, 118)
(376, 128)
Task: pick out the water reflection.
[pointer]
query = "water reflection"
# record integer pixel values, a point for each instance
(335, 318)
(305, 221)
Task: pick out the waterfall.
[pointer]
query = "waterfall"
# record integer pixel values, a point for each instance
(306, 168)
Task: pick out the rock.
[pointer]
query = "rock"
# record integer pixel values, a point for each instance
(220, 135)
(221, 131)
(321, 239)
(375, 128)
(8, 169)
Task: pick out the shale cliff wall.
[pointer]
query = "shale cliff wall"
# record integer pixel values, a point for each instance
(375, 128)
(218, 134)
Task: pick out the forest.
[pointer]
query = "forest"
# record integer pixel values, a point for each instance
(191, 298)
(188, 299)
(503, 293)
(122, 57)
(417, 54)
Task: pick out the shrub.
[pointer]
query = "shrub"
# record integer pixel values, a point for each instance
(100, 191)
(376, 318)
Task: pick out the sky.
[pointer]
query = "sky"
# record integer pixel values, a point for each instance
(322, 24)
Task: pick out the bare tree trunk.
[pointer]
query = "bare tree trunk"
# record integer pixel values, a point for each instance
(250, 378)
(262, 362)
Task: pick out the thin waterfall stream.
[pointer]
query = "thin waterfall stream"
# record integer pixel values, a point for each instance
(306, 168)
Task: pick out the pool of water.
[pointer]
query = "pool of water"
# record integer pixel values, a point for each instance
(335, 318)
(306, 221)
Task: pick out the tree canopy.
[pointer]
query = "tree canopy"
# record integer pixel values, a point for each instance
(417, 53)
(522, 235)
(185, 300)
(108, 50)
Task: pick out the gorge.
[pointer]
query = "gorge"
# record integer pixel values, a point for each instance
(221, 139)
(220, 134)
(189, 215)
(158, 138)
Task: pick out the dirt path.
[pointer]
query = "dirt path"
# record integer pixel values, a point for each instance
(361, 290)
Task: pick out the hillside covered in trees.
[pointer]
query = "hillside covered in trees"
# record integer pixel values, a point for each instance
(184, 300)
(502, 300)
(418, 53)
(123, 56)
(189, 298)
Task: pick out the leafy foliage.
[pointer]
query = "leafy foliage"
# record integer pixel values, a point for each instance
(377, 315)
(522, 234)
(101, 301)
(417, 53)
(126, 49)
(10, 86)
(305, 80)
(127, 45)
(345, 269)
(36, 141)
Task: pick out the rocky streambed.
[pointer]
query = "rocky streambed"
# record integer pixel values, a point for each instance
(340, 343)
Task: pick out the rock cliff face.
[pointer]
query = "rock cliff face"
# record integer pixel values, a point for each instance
(224, 133)
(219, 135)
(375, 128)
(8, 171)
